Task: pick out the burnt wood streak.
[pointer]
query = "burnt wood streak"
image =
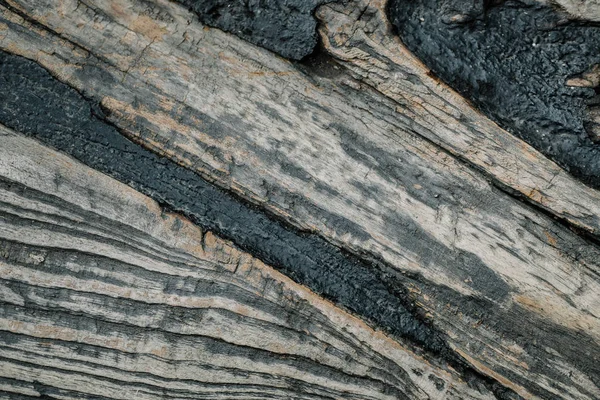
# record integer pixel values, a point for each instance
(64, 120)
(514, 60)
(380, 169)
(287, 27)
(105, 295)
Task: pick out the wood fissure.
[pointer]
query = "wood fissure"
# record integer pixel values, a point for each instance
(514, 61)
(344, 176)
(380, 299)
(85, 300)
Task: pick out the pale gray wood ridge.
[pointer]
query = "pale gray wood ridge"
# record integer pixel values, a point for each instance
(584, 10)
(360, 37)
(370, 152)
(104, 294)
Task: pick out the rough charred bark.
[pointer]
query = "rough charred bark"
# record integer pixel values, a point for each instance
(184, 214)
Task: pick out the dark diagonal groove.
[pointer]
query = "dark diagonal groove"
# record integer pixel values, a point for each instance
(36, 104)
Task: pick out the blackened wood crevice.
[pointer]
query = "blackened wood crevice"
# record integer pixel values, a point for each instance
(36, 104)
(288, 27)
(515, 61)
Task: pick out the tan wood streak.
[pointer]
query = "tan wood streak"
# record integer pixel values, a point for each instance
(160, 121)
(223, 89)
(503, 156)
(117, 202)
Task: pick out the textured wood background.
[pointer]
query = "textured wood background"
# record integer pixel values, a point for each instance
(113, 286)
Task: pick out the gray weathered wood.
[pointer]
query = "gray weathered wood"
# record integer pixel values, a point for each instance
(370, 142)
(105, 294)
(359, 35)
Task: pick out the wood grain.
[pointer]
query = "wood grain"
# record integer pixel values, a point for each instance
(584, 10)
(105, 295)
(359, 35)
(369, 152)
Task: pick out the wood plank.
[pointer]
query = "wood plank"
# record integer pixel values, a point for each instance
(324, 151)
(105, 294)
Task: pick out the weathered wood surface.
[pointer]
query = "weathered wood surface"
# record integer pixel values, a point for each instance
(360, 36)
(515, 292)
(515, 61)
(154, 39)
(104, 294)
